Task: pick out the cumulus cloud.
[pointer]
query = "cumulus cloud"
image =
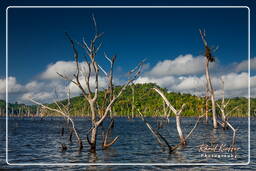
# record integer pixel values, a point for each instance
(243, 66)
(182, 65)
(13, 86)
(183, 74)
(186, 74)
(64, 67)
(165, 82)
(75, 90)
(236, 84)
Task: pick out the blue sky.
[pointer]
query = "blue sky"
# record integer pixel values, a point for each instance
(36, 36)
(166, 37)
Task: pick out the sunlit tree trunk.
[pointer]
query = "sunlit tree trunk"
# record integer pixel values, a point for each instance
(209, 58)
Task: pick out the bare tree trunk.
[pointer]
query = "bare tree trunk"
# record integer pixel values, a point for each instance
(206, 110)
(133, 101)
(177, 114)
(209, 58)
(215, 124)
(178, 126)
(93, 140)
(93, 72)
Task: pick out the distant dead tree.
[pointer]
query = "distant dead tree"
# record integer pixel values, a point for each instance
(64, 110)
(224, 116)
(209, 58)
(133, 99)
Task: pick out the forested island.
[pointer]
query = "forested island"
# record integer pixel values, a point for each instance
(136, 96)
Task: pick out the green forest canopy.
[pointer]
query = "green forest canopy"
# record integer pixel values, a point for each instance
(146, 100)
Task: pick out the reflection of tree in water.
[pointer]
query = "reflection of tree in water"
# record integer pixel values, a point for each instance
(214, 138)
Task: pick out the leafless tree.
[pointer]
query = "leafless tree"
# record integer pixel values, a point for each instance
(64, 110)
(209, 58)
(93, 71)
(133, 99)
(224, 116)
(183, 139)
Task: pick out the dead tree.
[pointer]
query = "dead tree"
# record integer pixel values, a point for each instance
(177, 114)
(64, 110)
(161, 140)
(206, 99)
(209, 58)
(108, 97)
(178, 118)
(224, 117)
(109, 92)
(133, 100)
(93, 72)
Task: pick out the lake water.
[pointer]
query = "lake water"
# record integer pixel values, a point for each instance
(39, 141)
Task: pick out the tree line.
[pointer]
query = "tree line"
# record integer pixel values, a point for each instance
(145, 99)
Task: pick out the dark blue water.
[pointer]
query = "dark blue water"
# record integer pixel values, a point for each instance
(38, 141)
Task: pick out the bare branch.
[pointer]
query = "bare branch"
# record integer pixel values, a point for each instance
(105, 145)
(106, 74)
(160, 139)
(166, 101)
(66, 116)
(86, 45)
(234, 133)
(105, 55)
(119, 94)
(203, 37)
(231, 111)
(67, 78)
(196, 124)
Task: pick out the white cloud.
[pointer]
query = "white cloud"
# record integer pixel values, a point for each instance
(184, 74)
(13, 86)
(165, 82)
(76, 90)
(63, 67)
(182, 65)
(243, 66)
(42, 96)
(236, 84)
(190, 83)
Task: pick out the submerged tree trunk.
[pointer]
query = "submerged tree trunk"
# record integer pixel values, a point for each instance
(93, 140)
(209, 58)
(133, 100)
(178, 126)
(177, 114)
(206, 110)
(215, 124)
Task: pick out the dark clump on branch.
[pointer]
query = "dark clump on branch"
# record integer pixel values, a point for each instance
(208, 54)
